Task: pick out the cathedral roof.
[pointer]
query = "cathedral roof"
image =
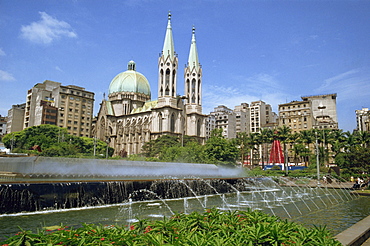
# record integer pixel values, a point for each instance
(147, 107)
(130, 81)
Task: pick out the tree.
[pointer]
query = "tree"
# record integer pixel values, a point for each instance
(282, 135)
(54, 141)
(192, 152)
(265, 138)
(357, 159)
(363, 138)
(153, 148)
(307, 137)
(218, 149)
(242, 141)
(254, 141)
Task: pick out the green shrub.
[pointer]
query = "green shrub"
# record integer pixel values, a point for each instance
(212, 227)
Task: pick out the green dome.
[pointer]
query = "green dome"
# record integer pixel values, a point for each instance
(130, 81)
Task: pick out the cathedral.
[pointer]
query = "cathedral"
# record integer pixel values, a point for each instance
(129, 118)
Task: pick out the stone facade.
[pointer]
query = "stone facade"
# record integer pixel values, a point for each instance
(3, 122)
(363, 120)
(313, 112)
(15, 118)
(249, 118)
(129, 118)
(52, 103)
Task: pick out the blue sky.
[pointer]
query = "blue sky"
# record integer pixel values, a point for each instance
(275, 51)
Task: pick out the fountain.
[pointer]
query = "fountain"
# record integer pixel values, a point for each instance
(75, 191)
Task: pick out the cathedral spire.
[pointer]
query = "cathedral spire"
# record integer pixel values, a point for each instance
(193, 60)
(193, 78)
(167, 66)
(168, 47)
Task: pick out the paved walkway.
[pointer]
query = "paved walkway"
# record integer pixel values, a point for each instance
(313, 183)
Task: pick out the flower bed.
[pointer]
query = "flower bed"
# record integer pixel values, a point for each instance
(213, 227)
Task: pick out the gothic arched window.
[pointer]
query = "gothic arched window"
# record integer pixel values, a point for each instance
(193, 91)
(160, 122)
(198, 127)
(167, 81)
(172, 126)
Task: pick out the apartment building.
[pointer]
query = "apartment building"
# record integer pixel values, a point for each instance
(225, 119)
(69, 106)
(3, 121)
(249, 118)
(15, 118)
(261, 115)
(313, 112)
(363, 120)
(242, 118)
(296, 115)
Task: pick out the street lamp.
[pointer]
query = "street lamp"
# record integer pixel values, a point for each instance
(317, 160)
(107, 141)
(184, 116)
(94, 145)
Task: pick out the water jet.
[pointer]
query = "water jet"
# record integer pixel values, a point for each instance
(75, 191)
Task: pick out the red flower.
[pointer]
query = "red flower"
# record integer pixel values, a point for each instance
(147, 229)
(132, 227)
(102, 239)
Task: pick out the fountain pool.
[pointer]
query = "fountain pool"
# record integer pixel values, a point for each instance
(337, 210)
(40, 192)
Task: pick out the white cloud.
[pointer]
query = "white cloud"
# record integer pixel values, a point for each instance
(58, 69)
(47, 30)
(2, 53)
(5, 76)
(258, 87)
(350, 86)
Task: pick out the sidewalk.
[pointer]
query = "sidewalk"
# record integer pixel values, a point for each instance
(313, 183)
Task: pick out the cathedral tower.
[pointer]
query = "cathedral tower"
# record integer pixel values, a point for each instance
(193, 79)
(167, 67)
(195, 120)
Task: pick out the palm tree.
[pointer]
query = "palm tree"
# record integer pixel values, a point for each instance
(242, 140)
(363, 138)
(283, 134)
(307, 137)
(351, 141)
(293, 140)
(265, 138)
(254, 141)
(336, 140)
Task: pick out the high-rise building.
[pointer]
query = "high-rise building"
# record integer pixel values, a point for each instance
(363, 120)
(242, 123)
(313, 112)
(15, 118)
(129, 118)
(249, 118)
(69, 106)
(297, 115)
(225, 119)
(3, 122)
(261, 115)
(324, 110)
